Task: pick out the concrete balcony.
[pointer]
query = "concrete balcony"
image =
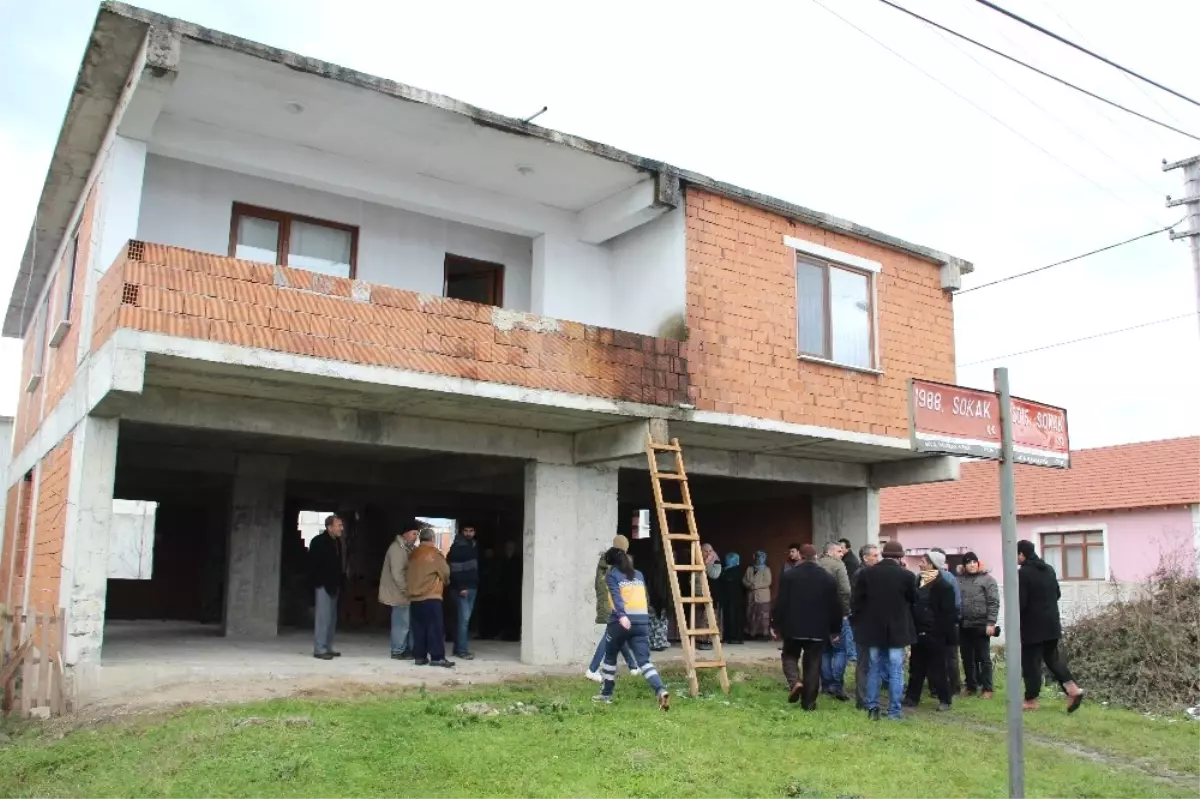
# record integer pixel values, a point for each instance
(194, 295)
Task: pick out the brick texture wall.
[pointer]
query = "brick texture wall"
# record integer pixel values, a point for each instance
(197, 295)
(741, 301)
(59, 362)
(15, 557)
(50, 521)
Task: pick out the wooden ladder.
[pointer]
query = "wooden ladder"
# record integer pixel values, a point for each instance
(694, 567)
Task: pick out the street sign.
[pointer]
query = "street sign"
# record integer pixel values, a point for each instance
(955, 420)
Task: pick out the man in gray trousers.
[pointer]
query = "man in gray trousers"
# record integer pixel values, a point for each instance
(868, 555)
(327, 559)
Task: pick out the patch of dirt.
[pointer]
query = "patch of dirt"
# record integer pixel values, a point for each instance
(1074, 749)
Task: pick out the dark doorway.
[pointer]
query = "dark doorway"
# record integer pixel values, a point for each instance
(474, 281)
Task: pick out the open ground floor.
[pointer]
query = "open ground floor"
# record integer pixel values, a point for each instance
(187, 500)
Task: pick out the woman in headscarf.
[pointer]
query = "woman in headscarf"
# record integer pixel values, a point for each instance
(712, 569)
(733, 600)
(757, 582)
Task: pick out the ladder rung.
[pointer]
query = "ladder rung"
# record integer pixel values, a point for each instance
(694, 600)
(688, 567)
(703, 631)
(709, 664)
(664, 447)
(676, 506)
(670, 476)
(682, 537)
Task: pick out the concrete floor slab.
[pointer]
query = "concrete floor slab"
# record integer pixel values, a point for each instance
(150, 663)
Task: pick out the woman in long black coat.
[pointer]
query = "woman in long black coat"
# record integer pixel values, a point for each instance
(732, 600)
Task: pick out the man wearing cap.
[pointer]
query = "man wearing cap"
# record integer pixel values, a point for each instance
(393, 590)
(882, 606)
(604, 612)
(980, 610)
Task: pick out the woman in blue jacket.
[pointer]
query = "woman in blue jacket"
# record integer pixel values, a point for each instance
(629, 624)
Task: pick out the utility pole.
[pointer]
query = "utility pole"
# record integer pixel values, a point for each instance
(1191, 199)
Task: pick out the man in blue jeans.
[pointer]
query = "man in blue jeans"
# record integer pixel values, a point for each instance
(882, 607)
(464, 583)
(833, 659)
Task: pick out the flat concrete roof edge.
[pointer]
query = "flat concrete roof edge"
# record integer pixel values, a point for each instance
(486, 118)
(513, 125)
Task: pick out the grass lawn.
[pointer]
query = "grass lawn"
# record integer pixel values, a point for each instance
(749, 744)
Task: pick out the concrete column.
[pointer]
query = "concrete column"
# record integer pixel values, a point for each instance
(852, 514)
(570, 517)
(84, 586)
(255, 547)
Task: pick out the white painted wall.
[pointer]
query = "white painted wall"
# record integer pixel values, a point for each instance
(131, 540)
(188, 205)
(649, 274)
(572, 280)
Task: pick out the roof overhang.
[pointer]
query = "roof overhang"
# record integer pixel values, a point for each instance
(117, 51)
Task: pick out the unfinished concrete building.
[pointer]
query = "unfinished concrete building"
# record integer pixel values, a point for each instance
(260, 284)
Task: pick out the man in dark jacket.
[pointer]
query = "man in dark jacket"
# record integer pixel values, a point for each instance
(936, 619)
(1041, 628)
(881, 606)
(327, 565)
(807, 616)
(868, 556)
(980, 609)
(849, 558)
(464, 583)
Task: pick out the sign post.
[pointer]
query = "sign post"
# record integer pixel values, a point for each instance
(1012, 602)
(955, 420)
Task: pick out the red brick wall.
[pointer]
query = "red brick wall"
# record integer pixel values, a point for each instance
(58, 364)
(741, 300)
(14, 560)
(197, 295)
(50, 527)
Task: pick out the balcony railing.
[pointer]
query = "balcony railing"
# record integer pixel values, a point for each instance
(180, 292)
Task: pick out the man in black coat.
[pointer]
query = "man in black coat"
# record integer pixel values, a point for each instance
(936, 616)
(882, 606)
(1041, 628)
(327, 567)
(849, 559)
(808, 615)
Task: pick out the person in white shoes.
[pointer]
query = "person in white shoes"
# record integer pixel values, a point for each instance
(604, 612)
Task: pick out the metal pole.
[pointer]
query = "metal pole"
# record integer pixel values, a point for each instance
(1012, 606)
(1191, 189)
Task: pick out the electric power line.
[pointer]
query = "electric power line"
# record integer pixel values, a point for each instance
(1016, 60)
(1083, 49)
(983, 110)
(1077, 340)
(1047, 112)
(1069, 260)
(1083, 38)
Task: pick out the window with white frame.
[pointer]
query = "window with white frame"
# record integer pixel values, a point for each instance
(1075, 555)
(37, 363)
(835, 312)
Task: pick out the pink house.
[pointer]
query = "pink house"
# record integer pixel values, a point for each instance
(1106, 522)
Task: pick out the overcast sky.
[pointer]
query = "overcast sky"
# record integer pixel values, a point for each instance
(786, 99)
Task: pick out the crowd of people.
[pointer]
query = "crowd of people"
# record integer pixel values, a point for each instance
(830, 609)
(875, 611)
(416, 581)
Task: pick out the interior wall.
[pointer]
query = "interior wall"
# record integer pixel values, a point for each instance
(189, 205)
(746, 526)
(649, 276)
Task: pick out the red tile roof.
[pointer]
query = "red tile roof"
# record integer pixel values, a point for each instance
(1145, 475)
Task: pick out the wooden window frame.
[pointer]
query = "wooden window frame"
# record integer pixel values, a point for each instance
(827, 356)
(285, 219)
(475, 267)
(1084, 546)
